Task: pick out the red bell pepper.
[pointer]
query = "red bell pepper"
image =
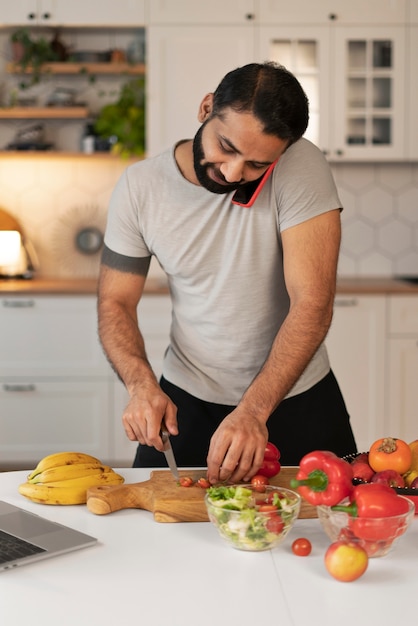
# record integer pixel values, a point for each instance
(374, 512)
(323, 478)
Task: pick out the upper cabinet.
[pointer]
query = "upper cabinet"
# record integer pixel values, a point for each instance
(322, 11)
(187, 62)
(412, 56)
(354, 75)
(201, 12)
(74, 13)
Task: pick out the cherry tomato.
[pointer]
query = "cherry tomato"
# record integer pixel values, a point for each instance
(269, 468)
(202, 482)
(266, 508)
(271, 453)
(275, 524)
(301, 546)
(259, 482)
(390, 453)
(186, 481)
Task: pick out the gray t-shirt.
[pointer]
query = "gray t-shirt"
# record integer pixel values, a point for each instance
(223, 263)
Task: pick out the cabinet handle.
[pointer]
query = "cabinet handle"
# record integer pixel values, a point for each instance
(332, 16)
(347, 303)
(46, 16)
(19, 387)
(18, 304)
(339, 152)
(249, 16)
(31, 16)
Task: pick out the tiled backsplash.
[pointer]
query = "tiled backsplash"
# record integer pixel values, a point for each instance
(55, 197)
(380, 218)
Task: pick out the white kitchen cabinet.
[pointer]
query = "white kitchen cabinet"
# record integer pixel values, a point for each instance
(41, 416)
(322, 11)
(356, 346)
(412, 56)
(154, 318)
(55, 391)
(354, 76)
(200, 11)
(50, 336)
(402, 388)
(94, 13)
(187, 63)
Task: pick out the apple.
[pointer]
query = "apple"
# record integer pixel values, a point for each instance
(363, 457)
(362, 471)
(389, 477)
(346, 561)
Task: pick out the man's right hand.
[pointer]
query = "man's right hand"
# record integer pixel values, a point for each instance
(142, 419)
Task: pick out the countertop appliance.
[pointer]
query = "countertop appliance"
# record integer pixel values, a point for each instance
(18, 258)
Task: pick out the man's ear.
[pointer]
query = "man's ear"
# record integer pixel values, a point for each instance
(205, 108)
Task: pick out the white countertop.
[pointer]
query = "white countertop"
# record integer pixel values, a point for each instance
(152, 574)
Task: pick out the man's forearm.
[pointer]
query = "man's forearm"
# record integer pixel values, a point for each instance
(294, 346)
(124, 346)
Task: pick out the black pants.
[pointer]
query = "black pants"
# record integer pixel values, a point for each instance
(314, 420)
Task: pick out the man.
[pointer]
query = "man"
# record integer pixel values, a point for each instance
(245, 221)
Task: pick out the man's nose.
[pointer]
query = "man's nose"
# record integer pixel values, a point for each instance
(232, 171)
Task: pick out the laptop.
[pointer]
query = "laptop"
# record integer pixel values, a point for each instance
(26, 537)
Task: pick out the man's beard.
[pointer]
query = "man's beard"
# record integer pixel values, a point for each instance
(201, 170)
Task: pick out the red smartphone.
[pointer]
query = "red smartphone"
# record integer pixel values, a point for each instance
(247, 194)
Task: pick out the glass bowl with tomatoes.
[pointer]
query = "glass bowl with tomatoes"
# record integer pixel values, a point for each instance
(252, 517)
(377, 535)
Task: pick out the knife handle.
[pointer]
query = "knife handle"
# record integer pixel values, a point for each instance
(105, 499)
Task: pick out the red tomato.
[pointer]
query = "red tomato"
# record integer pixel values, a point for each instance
(259, 482)
(269, 468)
(275, 524)
(271, 453)
(203, 482)
(186, 481)
(301, 546)
(266, 508)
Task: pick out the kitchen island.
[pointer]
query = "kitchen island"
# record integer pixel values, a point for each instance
(144, 572)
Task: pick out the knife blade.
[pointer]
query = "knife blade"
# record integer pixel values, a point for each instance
(169, 454)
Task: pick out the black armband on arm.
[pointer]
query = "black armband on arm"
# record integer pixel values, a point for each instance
(122, 263)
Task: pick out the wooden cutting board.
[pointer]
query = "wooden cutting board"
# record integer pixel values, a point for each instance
(168, 501)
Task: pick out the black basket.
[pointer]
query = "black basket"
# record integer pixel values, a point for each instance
(403, 491)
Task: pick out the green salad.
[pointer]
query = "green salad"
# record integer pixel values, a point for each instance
(249, 520)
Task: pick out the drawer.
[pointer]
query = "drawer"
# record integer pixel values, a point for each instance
(50, 336)
(39, 417)
(403, 315)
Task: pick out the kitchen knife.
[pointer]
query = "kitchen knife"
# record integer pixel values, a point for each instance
(169, 455)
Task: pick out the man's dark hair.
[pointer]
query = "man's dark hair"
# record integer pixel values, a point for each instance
(269, 92)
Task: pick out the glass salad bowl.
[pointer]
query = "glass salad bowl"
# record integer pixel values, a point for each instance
(376, 535)
(252, 518)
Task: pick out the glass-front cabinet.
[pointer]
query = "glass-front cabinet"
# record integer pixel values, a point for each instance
(369, 94)
(354, 78)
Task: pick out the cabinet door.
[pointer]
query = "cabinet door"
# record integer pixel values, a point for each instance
(412, 147)
(200, 11)
(353, 12)
(403, 390)
(356, 346)
(38, 417)
(305, 52)
(50, 336)
(187, 63)
(97, 13)
(368, 91)
(74, 13)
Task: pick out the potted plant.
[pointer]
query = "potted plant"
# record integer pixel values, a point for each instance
(30, 54)
(124, 120)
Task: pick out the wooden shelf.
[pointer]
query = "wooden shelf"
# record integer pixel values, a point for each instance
(81, 68)
(43, 113)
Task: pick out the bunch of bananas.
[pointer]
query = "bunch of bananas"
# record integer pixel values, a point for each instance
(64, 477)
